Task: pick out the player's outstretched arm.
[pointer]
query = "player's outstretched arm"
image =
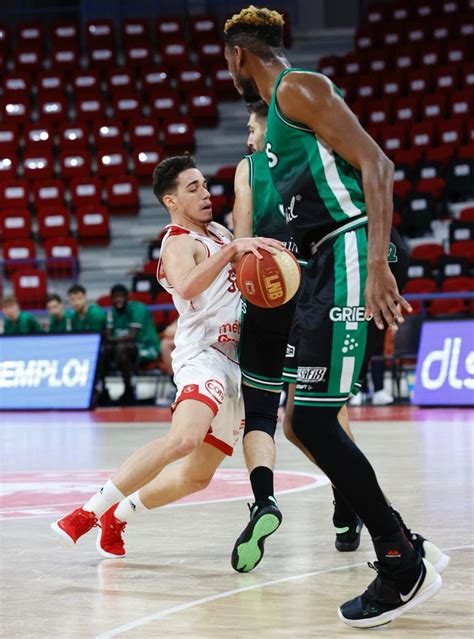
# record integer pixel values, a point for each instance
(311, 100)
(242, 214)
(190, 272)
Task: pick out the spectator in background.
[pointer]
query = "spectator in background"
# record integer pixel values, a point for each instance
(85, 317)
(131, 338)
(18, 322)
(60, 319)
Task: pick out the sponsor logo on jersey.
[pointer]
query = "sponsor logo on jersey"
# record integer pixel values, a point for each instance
(313, 374)
(190, 388)
(347, 314)
(216, 389)
(290, 350)
(290, 209)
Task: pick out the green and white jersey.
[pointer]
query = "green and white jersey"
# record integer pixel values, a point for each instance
(321, 192)
(94, 320)
(135, 315)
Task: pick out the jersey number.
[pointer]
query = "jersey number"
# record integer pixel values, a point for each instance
(392, 253)
(272, 157)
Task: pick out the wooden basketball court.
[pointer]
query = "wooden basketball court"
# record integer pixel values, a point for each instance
(176, 580)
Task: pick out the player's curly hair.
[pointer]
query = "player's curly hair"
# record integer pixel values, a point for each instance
(257, 29)
(165, 174)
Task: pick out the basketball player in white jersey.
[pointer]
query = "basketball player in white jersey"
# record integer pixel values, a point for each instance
(196, 267)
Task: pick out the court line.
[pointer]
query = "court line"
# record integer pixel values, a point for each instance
(229, 593)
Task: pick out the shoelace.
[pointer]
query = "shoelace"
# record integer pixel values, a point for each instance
(82, 519)
(115, 528)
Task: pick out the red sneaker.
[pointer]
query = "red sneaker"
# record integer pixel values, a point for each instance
(109, 538)
(74, 525)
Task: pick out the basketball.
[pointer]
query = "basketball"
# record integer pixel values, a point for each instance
(271, 281)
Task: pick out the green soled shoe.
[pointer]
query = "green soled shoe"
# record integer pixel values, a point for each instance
(348, 535)
(249, 547)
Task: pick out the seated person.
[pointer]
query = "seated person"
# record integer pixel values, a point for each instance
(18, 322)
(85, 317)
(60, 319)
(131, 338)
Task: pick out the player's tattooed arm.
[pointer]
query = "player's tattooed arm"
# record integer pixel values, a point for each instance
(311, 100)
(190, 271)
(242, 214)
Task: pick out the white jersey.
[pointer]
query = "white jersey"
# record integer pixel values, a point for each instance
(211, 319)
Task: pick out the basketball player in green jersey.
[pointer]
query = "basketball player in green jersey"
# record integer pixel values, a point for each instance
(263, 345)
(336, 187)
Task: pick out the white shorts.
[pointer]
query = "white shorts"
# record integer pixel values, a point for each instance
(214, 380)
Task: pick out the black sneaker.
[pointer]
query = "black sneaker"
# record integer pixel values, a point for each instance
(426, 549)
(384, 600)
(249, 547)
(348, 535)
(128, 398)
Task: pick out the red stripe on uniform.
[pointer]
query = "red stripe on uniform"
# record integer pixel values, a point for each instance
(219, 444)
(199, 397)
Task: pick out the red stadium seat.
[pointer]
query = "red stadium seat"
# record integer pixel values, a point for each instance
(65, 57)
(169, 28)
(406, 58)
(226, 173)
(14, 194)
(105, 301)
(461, 102)
(446, 78)
(74, 164)
(28, 59)
(149, 268)
(112, 163)
(464, 248)
(419, 81)
(8, 164)
(164, 103)
(368, 87)
(202, 107)
(401, 11)
(99, 31)
(431, 54)
(73, 136)
(14, 111)
(164, 318)
(442, 28)
(38, 165)
(392, 35)
(102, 56)
(456, 305)
(433, 106)
(61, 257)
(466, 26)
(85, 83)
(354, 63)
(109, 135)
(53, 110)
(330, 65)
(174, 53)
(134, 30)
(401, 188)
(377, 61)
(406, 109)
(393, 138)
(29, 34)
(434, 186)
(93, 225)
(91, 107)
(29, 286)
(203, 27)
(9, 138)
(392, 84)
(145, 160)
(38, 137)
(18, 255)
(189, 78)
(48, 193)
(16, 85)
(86, 191)
(467, 214)
(127, 105)
(223, 83)
(53, 221)
(416, 32)
(210, 53)
(439, 154)
(122, 194)
(144, 298)
(65, 32)
(457, 52)
(15, 224)
(365, 38)
(51, 84)
(154, 78)
(421, 135)
(178, 134)
(419, 285)
(119, 79)
(139, 54)
(430, 251)
(377, 13)
(143, 133)
(450, 132)
(467, 150)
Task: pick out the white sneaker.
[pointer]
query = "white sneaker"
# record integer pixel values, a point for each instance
(382, 398)
(356, 400)
(435, 556)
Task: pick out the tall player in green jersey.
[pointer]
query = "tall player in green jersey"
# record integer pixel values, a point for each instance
(258, 211)
(336, 188)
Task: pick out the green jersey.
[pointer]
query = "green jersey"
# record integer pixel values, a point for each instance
(321, 192)
(136, 315)
(63, 325)
(26, 324)
(94, 320)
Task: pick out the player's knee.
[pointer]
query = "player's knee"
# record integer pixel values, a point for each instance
(195, 484)
(182, 445)
(261, 410)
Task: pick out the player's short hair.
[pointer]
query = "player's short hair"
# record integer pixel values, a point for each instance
(76, 288)
(118, 288)
(257, 29)
(166, 173)
(54, 297)
(259, 109)
(9, 300)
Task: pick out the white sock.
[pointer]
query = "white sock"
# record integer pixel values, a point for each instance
(129, 507)
(104, 498)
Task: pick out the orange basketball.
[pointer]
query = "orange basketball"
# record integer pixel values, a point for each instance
(271, 281)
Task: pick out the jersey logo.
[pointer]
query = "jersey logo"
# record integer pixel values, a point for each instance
(232, 278)
(216, 389)
(272, 157)
(290, 209)
(313, 374)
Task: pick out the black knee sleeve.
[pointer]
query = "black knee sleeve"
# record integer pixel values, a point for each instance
(261, 410)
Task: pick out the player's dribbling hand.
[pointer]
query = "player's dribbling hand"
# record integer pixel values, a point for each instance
(253, 245)
(382, 299)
